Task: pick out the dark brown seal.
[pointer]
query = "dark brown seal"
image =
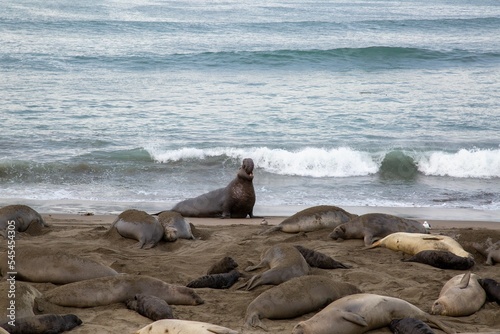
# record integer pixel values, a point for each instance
(492, 289)
(409, 326)
(216, 281)
(224, 265)
(319, 260)
(151, 307)
(43, 324)
(236, 200)
(442, 259)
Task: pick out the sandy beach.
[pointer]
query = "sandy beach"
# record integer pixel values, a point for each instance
(377, 271)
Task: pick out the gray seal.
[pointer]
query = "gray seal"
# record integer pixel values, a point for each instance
(25, 296)
(172, 219)
(43, 324)
(373, 226)
(490, 250)
(492, 289)
(216, 281)
(139, 225)
(236, 200)
(151, 307)
(319, 260)
(224, 265)
(25, 219)
(442, 259)
(409, 326)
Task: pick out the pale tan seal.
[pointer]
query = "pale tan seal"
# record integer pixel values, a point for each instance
(461, 296)
(360, 313)
(489, 250)
(24, 296)
(413, 243)
(184, 327)
(119, 289)
(288, 299)
(313, 219)
(23, 216)
(42, 265)
(284, 261)
(374, 226)
(43, 324)
(139, 225)
(172, 219)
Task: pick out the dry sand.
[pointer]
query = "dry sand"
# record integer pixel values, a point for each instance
(377, 271)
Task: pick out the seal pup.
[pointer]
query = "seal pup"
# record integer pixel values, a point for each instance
(139, 225)
(216, 281)
(224, 265)
(23, 216)
(492, 289)
(319, 260)
(44, 323)
(461, 296)
(118, 289)
(42, 265)
(172, 219)
(25, 296)
(409, 326)
(284, 261)
(184, 327)
(151, 307)
(413, 243)
(313, 219)
(490, 250)
(360, 313)
(374, 226)
(287, 300)
(442, 260)
(236, 200)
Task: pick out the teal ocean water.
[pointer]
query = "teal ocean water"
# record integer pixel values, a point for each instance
(112, 104)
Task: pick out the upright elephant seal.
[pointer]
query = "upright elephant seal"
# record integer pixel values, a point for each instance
(43, 324)
(236, 200)
(118, 289)
(287, 300)
(23, 218)
(461, 296)
(184, 327)
(492, 289)
(42, 265)
(285, 262)
(373, 226)
(172, 219)
(151, 307)
(360, 313)
(139, 225)
(313, 219)
(409, 326)
(442, 259)
(413, 243)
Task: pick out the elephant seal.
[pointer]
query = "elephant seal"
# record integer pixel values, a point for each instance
(151, 307)
(42, 265)
(139, 225)
(492, 289)
(172, 219)
(118, 289)
(25, 296)
(360, 313)
(44, 323)
(216, 281)
(287, 300)
(490, 250)
(442, 259)
(319, 260)
(461, 296)
(184, 327)
(236, 200)
(313, 219)
(25, 219)
(374, 226)
(413, 243)
(285, 262)
(224, 265)
(409, 326)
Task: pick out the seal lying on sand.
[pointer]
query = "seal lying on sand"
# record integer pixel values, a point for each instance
(171, 219)
(313, 219)
(409, 326)
(284, 261)
(224, 265)
(490, 250)
(184, 327)
(442, 259)
(413, 243)
(42, 265)
(492, 289)
(43, 324)
(373, 226)
(461, 296)
(360, 313)
(236, 200)
(139, 225)
(319, 260)
(287, 299)
(25, 218)
(151, 307)
(216, 281)
(119, 289)
(25, 295)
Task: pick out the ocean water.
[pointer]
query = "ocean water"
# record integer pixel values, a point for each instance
(108, 105)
